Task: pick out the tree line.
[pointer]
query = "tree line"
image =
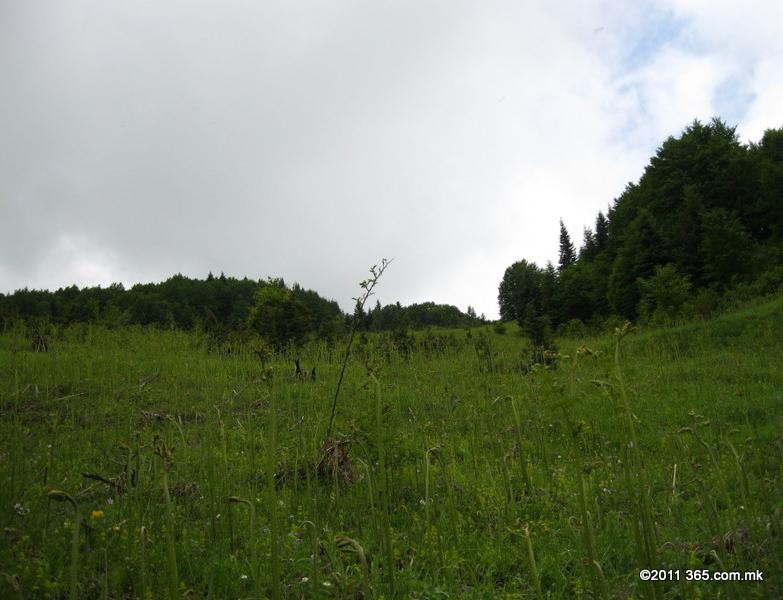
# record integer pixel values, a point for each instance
(417, 316)
(220, 305)
(705, 220)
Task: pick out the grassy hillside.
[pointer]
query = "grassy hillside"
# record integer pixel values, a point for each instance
(456, 470)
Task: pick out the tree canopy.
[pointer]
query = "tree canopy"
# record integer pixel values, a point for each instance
(706, 215)
(221, 303)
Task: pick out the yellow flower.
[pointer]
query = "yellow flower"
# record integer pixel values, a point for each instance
(98, 514)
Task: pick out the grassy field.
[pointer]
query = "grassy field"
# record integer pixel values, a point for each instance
(135, 464)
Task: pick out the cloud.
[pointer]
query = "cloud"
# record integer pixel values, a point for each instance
(310, 141)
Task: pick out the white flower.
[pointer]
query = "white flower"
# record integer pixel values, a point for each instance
(243, 576)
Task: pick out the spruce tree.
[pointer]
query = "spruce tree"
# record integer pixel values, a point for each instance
(601, 232)
(567, 250)
(589, 248)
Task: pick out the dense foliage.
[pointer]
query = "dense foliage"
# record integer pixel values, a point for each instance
(221, 305)
(417, 316)
(705, 218)
(279, 316)
(179, 302)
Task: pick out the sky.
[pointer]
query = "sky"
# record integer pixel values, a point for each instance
(308, 140)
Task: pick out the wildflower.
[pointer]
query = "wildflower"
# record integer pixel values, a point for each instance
(21, 510)
(97, 514)
(243, 576)
(304, 580)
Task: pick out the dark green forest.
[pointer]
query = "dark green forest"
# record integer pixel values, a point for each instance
(221, 305)
(703, 225)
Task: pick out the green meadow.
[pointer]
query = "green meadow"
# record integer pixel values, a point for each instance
(135, 463)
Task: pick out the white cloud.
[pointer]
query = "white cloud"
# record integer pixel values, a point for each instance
(766, 109)
(310, 142)
(74, 260)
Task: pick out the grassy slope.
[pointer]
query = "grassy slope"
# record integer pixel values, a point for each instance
(699, 393)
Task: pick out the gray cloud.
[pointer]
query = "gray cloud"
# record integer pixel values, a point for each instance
(310, 139)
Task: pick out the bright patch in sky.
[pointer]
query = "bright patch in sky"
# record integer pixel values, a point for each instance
(660, 29)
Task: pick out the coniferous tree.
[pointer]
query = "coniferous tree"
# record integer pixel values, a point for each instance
(589, 247)
(601, 232)
(549, 287)
(535, 324)
(567, 250)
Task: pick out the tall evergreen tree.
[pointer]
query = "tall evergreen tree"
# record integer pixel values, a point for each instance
(589, 247)
(567, 250)
(601, 232)
(548, 285)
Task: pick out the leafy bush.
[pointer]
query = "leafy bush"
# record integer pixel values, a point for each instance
(705, 303)
(279, 317)
(573, 328)
(664, 294)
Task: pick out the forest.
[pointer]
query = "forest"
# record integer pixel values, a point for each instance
(223, 305)
(703, 225)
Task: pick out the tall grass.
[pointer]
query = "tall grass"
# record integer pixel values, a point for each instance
(73, 583)
(660, 450)
(172, 571)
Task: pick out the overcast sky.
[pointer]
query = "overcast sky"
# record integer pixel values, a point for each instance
(308, 140)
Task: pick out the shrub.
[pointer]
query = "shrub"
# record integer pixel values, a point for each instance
(663, 294)
(279, 317)
(573, 328)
